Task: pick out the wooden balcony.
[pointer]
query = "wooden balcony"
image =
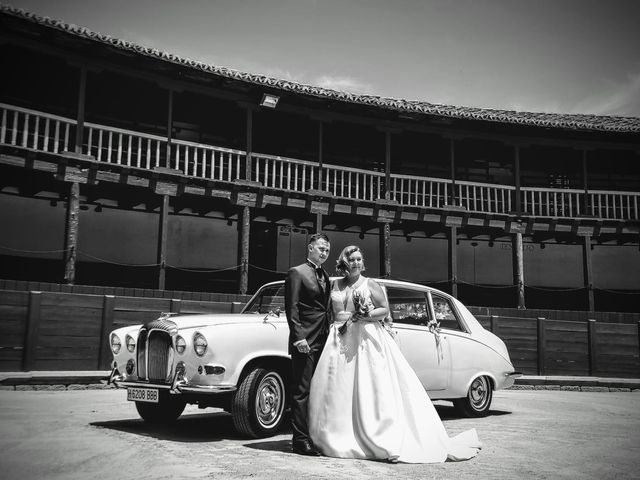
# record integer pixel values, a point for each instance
(43, 132)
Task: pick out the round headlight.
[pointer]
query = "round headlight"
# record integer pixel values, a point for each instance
(199, 344)
(181, 345)
(115, 344)
(130, 343)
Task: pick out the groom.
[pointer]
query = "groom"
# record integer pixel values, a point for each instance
(306, 299)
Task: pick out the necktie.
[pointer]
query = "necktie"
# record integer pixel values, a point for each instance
(320, 277)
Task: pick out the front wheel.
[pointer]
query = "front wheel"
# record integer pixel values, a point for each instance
(167, 410)
(478, 399)
(257, 408)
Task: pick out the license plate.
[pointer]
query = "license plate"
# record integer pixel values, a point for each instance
(149, 395)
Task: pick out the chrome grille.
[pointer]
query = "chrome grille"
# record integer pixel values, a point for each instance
(154, 349)
(158, 349)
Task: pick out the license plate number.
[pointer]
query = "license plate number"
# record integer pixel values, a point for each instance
(149, 395)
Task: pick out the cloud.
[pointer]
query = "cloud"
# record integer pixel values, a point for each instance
(343, 84)
(617, 98)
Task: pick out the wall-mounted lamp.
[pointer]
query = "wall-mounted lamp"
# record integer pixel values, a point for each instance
(269, 101)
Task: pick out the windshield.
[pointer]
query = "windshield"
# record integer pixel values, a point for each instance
(267, 299)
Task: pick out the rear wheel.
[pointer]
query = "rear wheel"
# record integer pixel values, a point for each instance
(478, 399)
(257, 408)
(167, 410)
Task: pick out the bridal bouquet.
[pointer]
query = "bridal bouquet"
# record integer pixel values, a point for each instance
(363, 307)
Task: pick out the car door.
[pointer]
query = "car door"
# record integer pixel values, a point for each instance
(410, 310)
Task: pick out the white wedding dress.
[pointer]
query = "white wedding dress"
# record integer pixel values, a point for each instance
(367, 402)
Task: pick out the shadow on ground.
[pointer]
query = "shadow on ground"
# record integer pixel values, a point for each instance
(197, 427)
(217, 426)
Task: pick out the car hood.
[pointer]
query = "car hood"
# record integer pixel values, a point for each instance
(208, 319)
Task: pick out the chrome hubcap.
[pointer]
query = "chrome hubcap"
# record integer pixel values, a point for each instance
(270, 400)
(478, 393)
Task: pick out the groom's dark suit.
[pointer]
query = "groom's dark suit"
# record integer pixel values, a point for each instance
(307, 308)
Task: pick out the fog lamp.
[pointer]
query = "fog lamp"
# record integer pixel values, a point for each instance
(130, 366)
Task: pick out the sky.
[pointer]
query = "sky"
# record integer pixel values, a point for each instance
(557, 56)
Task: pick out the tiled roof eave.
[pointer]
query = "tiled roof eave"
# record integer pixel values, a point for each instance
(544, 120)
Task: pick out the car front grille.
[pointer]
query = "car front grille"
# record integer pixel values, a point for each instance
(154, 351)
(159, 345)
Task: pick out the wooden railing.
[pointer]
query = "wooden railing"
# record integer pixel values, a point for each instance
(43, 132)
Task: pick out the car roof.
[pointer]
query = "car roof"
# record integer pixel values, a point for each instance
(386, 282)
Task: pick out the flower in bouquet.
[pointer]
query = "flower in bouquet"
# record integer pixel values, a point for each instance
(362, 306)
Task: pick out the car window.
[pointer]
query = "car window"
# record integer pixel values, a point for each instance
(268, 299)
(445, 314)
(408, 306)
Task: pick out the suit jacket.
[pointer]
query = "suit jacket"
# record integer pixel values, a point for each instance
(307, 306)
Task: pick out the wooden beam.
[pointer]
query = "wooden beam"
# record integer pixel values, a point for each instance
(593, 350)
(385, 250)
(31, 331)
(518, 268)
(387, 165)
(516, 178)
(82, 94)
(587, 270)
(452, 158)
(249, 144)
(320, 155)
(108, 306)
(244, 250)
(169, 127)
(71, 233)
(541, 341)
(163, 223)
(453, 259)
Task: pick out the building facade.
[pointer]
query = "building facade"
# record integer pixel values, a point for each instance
(123, 165)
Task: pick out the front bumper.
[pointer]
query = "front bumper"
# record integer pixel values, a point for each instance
(511, 379)
(178, 385)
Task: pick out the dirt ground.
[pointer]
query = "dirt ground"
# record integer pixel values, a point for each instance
(97, 434)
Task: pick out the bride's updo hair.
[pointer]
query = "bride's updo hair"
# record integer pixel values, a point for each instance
(342, 264)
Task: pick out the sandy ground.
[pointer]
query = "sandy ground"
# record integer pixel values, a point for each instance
(96, 434)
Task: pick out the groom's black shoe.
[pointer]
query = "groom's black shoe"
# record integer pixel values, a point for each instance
(304, 447)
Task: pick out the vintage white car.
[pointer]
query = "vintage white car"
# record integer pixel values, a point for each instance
(239, 362)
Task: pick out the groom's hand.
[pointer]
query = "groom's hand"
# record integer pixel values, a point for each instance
(303, 346)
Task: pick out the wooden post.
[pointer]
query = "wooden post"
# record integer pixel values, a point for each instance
(588, 272)
(244, 251)
(387, 167)
(163, 223)
(31, 331)
(108, 305)
(318, 223)
(249, 145)
(494, 324)
(170, 130)
(585, 182)
(176, 305)
(516, 175)
(518, 267)
(452, 193)
(541, 345)
(385, 250)
(320, 157)
(71, 233)
(453, 259)
(593, 351)
(82, 94)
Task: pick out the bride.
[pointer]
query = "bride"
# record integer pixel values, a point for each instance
(365, 400)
